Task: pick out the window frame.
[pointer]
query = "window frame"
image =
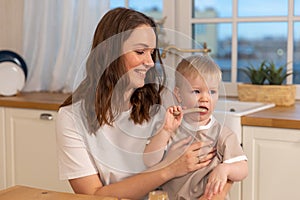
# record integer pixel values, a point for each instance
(185, 21)
(179, 18)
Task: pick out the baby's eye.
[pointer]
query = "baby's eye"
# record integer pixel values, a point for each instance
(212, 91)
(196, 91)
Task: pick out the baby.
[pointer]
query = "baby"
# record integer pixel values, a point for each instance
(197, 82)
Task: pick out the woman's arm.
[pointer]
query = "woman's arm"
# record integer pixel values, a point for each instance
(138, 186)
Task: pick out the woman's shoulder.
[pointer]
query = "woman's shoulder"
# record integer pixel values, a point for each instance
(69, 109)
(70, 114)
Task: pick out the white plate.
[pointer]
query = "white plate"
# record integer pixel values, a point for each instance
(12, 78)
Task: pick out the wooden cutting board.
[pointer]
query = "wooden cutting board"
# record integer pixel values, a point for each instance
(29, 193)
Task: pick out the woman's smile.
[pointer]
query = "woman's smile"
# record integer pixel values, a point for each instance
(141, 72)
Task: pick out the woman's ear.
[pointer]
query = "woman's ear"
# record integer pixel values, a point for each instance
(177, 94)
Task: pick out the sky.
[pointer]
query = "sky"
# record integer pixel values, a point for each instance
(246, 9)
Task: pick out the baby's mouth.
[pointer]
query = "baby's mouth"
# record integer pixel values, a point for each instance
(202, 109)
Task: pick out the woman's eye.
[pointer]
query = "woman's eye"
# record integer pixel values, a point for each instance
(140, 52)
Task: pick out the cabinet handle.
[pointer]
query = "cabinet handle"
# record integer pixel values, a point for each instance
(46, 116)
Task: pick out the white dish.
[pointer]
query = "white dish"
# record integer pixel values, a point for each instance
(12, 78)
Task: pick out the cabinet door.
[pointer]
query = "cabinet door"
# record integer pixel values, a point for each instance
(2, 150)
(235, 191)
(31, 149)
(274, 163)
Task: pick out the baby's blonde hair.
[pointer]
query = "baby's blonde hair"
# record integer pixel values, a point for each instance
(196, 65)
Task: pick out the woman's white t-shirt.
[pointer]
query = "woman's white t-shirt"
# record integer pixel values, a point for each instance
(114, 152)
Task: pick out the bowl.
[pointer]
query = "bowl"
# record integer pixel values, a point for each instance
(12, 78)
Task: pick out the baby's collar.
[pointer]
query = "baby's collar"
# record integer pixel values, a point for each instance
(198, 128)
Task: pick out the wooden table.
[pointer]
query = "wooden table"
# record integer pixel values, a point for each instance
(29, 193)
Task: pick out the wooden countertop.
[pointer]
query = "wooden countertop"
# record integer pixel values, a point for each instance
(277, 117)
(34, 100)
(29, 193)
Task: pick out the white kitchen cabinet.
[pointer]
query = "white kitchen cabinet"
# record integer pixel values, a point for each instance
(235, 191)
(30, 149)
(274, 163)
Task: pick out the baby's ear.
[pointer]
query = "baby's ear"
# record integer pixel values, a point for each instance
(177, 94)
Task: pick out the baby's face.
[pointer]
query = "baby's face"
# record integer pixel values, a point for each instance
(202, 93)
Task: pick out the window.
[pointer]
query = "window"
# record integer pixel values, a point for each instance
(239, 32)
(209, 9)
(258, 8)
(296, 56)
(151, 8)
(297, 7)
(246, 32)
(257, 41)
(218, 38)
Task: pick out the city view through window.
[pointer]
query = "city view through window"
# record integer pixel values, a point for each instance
(261, 33)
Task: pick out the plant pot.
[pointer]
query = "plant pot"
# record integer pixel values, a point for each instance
(281, 95)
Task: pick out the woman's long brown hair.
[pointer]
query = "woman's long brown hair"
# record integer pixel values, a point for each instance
(105, 69)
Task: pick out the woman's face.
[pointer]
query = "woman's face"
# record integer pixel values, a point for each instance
(137, 50)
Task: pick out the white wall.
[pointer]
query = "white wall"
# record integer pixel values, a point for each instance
(11, 20)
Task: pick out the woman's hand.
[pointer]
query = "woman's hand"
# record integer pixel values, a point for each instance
(184, 158)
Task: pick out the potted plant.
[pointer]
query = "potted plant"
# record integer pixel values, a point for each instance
(267, 85)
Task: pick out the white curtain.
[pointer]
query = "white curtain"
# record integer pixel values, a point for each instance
(57, 39)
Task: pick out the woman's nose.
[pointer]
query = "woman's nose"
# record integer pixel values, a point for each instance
(148, 60)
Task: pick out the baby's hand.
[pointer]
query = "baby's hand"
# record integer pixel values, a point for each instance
(216, 181)
(172, 121)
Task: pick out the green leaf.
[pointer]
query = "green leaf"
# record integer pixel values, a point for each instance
(256, 76)
(266, 72)
(276, 75)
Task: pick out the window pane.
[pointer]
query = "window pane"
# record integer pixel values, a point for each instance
(254, 8)
(117, 3)
(212, 9)
(151, 8)
(296, 63)
(258, 42)
(218, 39)
(297, 7)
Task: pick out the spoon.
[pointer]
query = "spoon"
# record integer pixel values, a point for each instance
(191, 110)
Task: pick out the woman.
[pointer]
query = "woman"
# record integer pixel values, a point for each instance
(102, 128)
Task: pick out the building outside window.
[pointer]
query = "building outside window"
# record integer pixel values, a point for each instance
(239, 32)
